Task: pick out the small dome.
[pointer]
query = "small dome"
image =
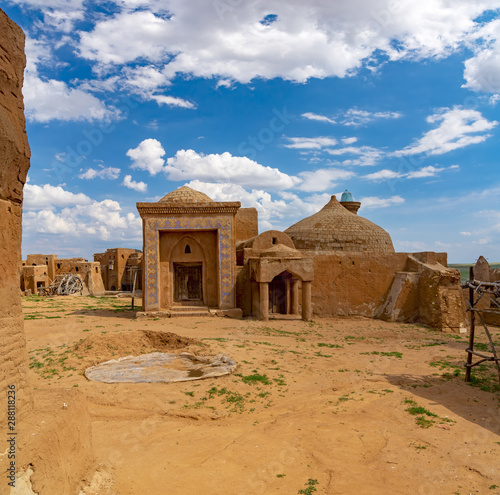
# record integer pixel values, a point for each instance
(334, 228)
(185, 195)
(280, 251)
(346, 196)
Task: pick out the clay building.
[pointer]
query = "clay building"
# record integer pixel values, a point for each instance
(40, 270)
(206, 254)
(119, 267)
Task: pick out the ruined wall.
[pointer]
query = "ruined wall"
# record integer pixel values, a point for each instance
(394, 287)
(246, 223)
(14, 164)
(352, 284)
(35, 277)
(49, 260)
(57, 447)
(113, 267)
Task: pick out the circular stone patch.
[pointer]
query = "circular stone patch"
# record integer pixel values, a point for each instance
(161, 367)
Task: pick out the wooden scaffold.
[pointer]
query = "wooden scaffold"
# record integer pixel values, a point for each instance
(478, 290)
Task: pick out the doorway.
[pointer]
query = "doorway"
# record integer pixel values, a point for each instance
(277, 295)
(188, 282)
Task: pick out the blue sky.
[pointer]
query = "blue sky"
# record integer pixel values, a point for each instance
(275, 104)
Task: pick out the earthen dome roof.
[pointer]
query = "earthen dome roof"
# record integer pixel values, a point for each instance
(334, 228)
(280, 251)
(186, 195)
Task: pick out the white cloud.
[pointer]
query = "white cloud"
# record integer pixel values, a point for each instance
(372, 202)
(365, 155)
(466, 234)
(349, 140)
(228, 41)
(458, 127)
(49, 99)
(356, 117)
(323, 179)
(147, 156)
(278, 213)
(482, 70)
(429, 171)
(494, 99)
(111, 173)
(96, 219)
(189, 165)
(383, 175)
(320, 118)
(132, 184)
(48, 197)
(171, 101)
(315, 143)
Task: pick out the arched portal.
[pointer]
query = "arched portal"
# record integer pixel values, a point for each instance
(280, 293)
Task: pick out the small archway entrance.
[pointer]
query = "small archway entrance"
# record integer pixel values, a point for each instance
(280, 294)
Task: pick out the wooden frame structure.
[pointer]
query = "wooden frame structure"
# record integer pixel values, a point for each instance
(477, 290)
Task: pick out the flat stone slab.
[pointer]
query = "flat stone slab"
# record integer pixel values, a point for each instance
(161, 367)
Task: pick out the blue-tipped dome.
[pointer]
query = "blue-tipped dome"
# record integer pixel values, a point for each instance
(346, 196)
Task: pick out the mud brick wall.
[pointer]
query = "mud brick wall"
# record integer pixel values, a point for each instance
(14, 164)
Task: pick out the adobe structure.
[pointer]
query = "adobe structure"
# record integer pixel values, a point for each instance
(40, 270)
(119, 267)
(198, 252)
(60, 455)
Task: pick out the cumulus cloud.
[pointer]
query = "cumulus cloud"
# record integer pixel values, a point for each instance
(230, 42)
(323, 179)
(314, 143)
(274, 213)
(457, 127)
(132, 184)
(103, 173)
(48, 197)
(147, 156)
(48, 99)
(98, 220)
(482, 71)
(189, 165)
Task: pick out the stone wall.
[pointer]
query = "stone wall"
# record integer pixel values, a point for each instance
(14, 164)
(54, 443)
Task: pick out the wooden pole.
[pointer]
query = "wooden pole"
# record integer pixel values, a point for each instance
(133, 289)
(472, 326)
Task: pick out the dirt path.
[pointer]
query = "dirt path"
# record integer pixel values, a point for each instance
(323, 407)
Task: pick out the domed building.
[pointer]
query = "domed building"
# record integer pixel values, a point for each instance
(185, 195)
(335, 228)
(206, 257)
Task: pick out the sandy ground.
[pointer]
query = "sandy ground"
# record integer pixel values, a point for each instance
(322, 407)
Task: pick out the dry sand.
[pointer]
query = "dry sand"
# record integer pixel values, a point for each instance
(316, 407)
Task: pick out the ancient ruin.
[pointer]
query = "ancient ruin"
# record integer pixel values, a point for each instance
(39, 271)
(204, 254)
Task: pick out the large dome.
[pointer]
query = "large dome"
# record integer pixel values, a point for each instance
(334, 228)
(186, 195)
